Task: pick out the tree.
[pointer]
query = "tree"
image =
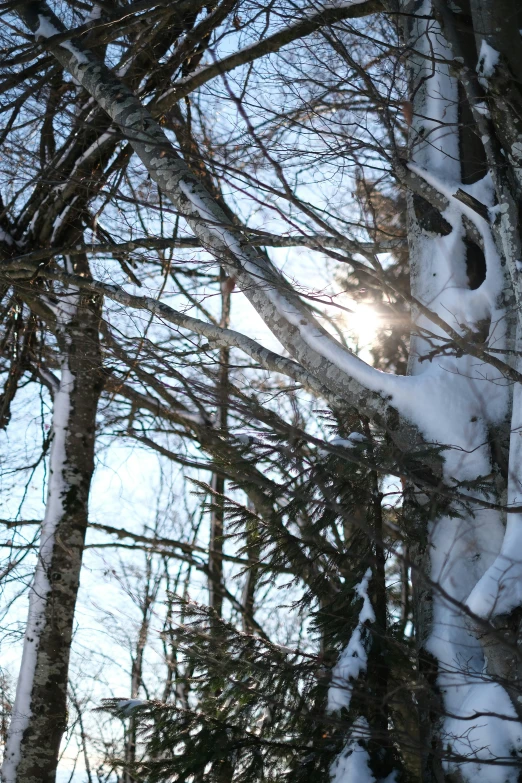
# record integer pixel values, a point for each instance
(403, 101)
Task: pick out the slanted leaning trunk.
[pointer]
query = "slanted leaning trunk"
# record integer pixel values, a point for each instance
(39, 713)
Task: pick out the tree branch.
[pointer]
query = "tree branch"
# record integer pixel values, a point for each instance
(273, 43)
(283, 311)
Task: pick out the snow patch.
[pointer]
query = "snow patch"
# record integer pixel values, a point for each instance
(352, 763)
(94, 14)
(516, 150)
(488, 60)
(499, 591)
(127, 706)
(350, 442)
(46, 29)
(483, 109)
(100, 141)
(485, 738)
(479, 303)
(60, 218)
(354, 658)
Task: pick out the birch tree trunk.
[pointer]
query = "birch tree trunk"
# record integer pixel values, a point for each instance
(39, 716)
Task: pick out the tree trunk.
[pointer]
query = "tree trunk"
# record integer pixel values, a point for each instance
(217, 518)
(251, 575)
(148, 599)
(454, 553)
(39, 715)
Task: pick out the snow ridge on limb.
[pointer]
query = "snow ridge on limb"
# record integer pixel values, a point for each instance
(352, 764)
(353, 659)
(471, 306)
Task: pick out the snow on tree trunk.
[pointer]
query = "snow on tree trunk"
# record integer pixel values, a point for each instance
(39, 712)
(363, 667)
(476, 401)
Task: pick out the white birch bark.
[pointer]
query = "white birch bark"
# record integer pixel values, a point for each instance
(39, 712)
(60, 482)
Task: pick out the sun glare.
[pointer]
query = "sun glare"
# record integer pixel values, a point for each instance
(363, 324)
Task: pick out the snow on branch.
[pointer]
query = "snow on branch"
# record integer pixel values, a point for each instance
(352, 765)
(46, 29)
(487, 62)
(354, 658)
